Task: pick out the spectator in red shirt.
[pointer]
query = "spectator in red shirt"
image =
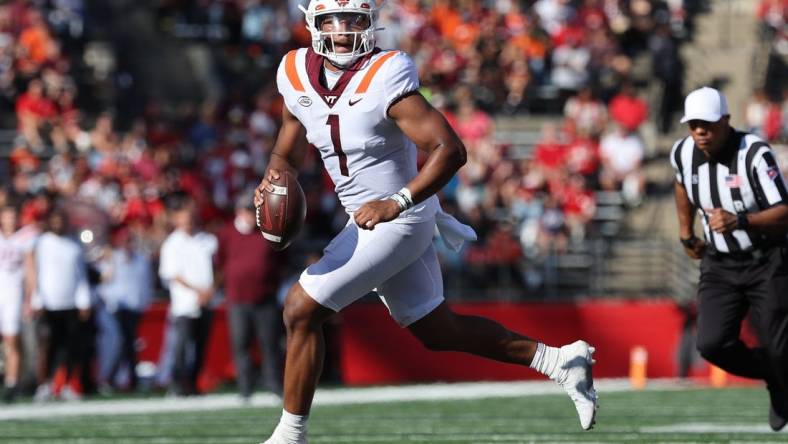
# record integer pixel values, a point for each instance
(550, 152)
(582, 155)
(579, 206)
(32, 110)
(249, 269)
(772, 121)
(627, 109)
(472, 124)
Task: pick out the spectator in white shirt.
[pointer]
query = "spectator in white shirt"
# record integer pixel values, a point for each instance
(16, 274)
(622, 153)
(186, 267)
(61, 300)
(126, 289)
(588, 113)
(570, 66)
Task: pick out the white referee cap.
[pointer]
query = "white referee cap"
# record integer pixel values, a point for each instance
(705, 104)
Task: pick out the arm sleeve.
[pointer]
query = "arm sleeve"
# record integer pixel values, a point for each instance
(168, 263)
(213, 246)
(401, 79)
(675, 160)
(283, 85)
(36, 302)
(30, 240)
(221, 249)
(212, 242)
(768, 178)
(147, 285)
(82, 297)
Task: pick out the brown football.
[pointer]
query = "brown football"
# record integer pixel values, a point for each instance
(283, 211)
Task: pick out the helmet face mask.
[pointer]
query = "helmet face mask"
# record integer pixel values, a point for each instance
(342, 30)
(332, 22)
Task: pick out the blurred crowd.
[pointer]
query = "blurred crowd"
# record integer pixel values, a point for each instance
(517, 56)
(476, 59)
(767, 110)
(119, 180)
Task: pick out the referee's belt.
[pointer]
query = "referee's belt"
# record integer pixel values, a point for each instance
(756, 254)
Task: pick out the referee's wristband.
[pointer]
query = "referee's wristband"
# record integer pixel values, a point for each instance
(689, 242)
(742, 223)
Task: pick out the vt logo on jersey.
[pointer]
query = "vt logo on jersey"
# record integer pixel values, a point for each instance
(330, 99)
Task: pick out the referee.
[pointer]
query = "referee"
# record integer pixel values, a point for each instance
(733, 181)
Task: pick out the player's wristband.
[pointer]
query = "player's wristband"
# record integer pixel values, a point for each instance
(689, 242)
(403, 198)
(400, 201)
(405, 192)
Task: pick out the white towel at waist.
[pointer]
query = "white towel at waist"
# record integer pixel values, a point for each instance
(452, 231)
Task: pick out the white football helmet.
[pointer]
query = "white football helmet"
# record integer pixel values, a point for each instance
(362, 12)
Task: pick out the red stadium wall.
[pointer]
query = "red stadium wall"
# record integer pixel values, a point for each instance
(374, 350)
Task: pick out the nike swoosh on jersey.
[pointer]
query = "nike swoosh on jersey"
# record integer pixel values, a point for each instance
(352, 102)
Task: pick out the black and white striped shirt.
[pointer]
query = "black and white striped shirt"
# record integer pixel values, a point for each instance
(743, 178)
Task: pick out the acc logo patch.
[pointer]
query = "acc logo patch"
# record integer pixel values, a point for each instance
(304, 101)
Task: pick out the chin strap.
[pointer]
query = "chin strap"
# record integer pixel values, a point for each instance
(338, 65)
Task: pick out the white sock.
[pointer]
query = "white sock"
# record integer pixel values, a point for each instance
(547, 361)
(291, 428)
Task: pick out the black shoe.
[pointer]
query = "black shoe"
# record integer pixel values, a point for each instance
(778, 409)
(9, 395)
(776, 420)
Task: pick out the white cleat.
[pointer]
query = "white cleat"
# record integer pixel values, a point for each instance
(276, 440)
(578, 381)
(43, 393)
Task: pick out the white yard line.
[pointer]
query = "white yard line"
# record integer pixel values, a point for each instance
(342, 396)
(709, 427)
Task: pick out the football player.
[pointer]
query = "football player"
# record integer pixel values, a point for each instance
(16, 277)
(360, 107)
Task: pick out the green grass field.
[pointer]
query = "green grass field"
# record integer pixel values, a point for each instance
(664, 416)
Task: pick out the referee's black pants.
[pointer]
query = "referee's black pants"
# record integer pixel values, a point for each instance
(729, 287)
